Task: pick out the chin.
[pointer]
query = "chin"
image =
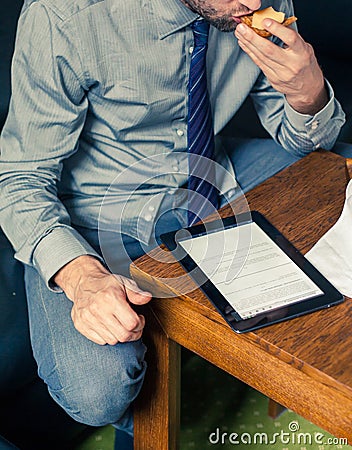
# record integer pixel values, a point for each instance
(227, 28)
(225, 24)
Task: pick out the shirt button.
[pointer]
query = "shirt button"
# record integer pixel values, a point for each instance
(180, 132)
(315, 124)
(175, 168)
(190, 50)
(151, 208)
(148, 217)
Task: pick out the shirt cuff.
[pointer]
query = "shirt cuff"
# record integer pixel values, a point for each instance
(310, 124)
(57, 248)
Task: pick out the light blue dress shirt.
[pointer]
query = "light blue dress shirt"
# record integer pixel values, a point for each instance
(99, 107)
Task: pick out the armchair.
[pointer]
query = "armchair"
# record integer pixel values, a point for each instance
(28, 416)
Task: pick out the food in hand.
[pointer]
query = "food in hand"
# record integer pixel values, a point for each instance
(255, 20)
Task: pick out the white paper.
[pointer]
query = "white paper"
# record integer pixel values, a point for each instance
(332, 254)
(250, 270)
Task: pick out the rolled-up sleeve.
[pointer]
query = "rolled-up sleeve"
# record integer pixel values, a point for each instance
(46, 115)
(323, 128)
(298, 133)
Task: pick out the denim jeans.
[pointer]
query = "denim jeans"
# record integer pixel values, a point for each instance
(96, 384)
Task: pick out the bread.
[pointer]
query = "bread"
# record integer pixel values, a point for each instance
(268, 13)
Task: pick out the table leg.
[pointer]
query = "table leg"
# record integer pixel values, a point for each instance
(275, 409)
(157, 408)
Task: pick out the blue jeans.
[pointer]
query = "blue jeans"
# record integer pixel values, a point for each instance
(96, 384)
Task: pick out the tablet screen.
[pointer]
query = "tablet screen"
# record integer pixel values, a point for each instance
(249, 269)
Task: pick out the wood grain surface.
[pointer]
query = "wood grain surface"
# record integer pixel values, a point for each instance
(304, 364)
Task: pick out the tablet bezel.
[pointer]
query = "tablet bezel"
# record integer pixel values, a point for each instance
(330, 297)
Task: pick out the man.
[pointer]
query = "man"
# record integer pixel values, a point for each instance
(100, 104)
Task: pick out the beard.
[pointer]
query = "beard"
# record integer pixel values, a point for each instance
(223, 22)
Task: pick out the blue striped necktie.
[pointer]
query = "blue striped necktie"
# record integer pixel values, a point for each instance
(202, 193)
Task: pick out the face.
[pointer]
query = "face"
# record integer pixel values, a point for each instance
(223, 14)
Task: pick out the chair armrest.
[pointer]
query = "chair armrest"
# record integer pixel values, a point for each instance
(349, 168)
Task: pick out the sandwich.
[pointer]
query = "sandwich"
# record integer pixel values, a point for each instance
(255, 20)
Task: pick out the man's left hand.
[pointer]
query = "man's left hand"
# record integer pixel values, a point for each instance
(292, 69)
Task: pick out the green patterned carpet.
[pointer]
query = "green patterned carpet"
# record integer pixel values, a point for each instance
(220, 412)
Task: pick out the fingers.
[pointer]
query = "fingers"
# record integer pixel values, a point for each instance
(129, 293)
(105, 315)
(104, 338)
(292, 70)
(106, 328)
(288, 36)
(265, 61)
(264, 50)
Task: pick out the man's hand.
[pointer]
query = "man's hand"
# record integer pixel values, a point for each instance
(291, 69)
(101, 301)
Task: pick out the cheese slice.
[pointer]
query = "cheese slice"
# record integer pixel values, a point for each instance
(267, 13)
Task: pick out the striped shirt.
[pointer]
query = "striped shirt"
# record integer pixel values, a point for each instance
(99, 107)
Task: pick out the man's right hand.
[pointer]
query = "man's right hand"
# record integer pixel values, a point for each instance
(102, 301)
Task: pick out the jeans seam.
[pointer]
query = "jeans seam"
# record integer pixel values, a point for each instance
(42, 298)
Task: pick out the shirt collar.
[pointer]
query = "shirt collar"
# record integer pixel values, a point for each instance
(172, 16)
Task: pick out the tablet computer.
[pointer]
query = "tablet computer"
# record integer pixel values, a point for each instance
(250, 272)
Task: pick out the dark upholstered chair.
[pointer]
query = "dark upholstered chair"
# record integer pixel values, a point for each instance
(29, 417)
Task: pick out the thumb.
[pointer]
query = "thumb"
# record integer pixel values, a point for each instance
(134, 293)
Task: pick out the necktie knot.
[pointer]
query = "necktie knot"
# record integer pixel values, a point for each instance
(200, 31)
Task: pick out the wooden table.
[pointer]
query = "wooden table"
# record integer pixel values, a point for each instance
(304, 364)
